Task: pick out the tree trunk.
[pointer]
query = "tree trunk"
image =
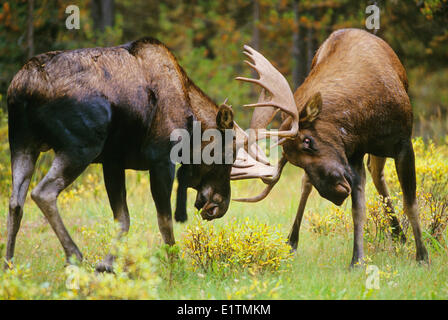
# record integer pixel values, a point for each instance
(103, 12)
(30, 30)
(298, 69)
(255, 39)
(309, 47)
(297, 73)
(255, 30)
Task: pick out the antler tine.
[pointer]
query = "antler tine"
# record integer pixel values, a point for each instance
(242, 140)
(268, 104)
(250, 64)
(273, 81)
(259, 197)
(255, 171)
(246, 167)
(257, 81)
(270, 183)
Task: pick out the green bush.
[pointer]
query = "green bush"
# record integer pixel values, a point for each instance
(134, 276)
(246, 245)
(16, 284)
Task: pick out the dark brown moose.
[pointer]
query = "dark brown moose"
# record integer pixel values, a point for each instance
(353, 102)
(115, 106)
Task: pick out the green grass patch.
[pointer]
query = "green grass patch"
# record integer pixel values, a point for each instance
(240, 256)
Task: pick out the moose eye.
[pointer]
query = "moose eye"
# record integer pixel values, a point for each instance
(307, 144)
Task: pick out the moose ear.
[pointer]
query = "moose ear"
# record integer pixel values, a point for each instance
(312, 109)
(224, 118)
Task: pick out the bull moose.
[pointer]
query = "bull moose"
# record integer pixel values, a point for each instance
(353, 102)
(115, 106)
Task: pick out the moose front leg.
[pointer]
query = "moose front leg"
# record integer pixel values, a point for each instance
(22, 165)
(183, 175)
(294, 234)
(358, 212)
(115, 182)
(161, 179)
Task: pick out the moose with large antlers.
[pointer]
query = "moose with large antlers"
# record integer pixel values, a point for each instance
(115, 106)
(354, 102)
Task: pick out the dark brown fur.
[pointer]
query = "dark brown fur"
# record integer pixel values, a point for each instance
(116, 106)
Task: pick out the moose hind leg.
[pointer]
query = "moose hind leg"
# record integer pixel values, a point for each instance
(376, 168)
(62, 173)
(405, 166)
(22, 166)
(76, 130)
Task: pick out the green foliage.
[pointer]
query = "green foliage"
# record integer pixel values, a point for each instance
(247, 245)
(170, 267)
(216, 77)
(134, 275)
(429, 97)
(207, 37)
(241, 256)
(15, 284)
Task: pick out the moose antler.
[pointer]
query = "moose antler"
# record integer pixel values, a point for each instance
(246, 167)
(275, 95)
(243, 141)
(281, 97)
(270, 180)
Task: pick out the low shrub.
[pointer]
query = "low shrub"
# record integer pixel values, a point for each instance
(245, 244)
(15, 284)
(134, 277)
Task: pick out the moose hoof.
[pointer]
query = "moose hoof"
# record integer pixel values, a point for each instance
(422, 257)
(74, 259)
(180, 216)
(102, 267)
(106, 265)
(356, 265)
(293, 245)
(8, 265)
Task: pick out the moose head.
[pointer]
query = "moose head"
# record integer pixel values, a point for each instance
(306, 143)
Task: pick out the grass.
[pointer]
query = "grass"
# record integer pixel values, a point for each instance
(319, 269)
